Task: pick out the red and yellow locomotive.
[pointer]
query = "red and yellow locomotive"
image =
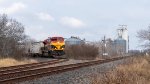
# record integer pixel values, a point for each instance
(53, 46)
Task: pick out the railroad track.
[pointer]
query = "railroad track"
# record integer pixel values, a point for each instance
(12, 69)
(23, 75)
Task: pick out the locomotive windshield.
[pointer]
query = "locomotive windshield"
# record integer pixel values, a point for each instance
(57, 39)
(53, 39)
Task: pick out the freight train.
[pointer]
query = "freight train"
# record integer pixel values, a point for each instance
(53, 46)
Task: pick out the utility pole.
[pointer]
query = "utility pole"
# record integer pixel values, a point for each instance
(104, 47)
(128, 44)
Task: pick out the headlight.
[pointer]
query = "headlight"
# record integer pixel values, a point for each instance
(53, 47)
(62, 47)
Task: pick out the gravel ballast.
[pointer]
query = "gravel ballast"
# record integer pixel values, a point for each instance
(78, 76)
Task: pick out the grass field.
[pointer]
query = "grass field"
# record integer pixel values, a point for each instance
(135, 71)
(11, 62)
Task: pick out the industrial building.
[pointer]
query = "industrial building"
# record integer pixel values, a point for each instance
(121, 43)
(118, 46)
(74, 41)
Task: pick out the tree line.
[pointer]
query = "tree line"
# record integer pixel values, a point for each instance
(11, 35)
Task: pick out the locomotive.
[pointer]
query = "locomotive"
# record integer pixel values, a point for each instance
(53, 46)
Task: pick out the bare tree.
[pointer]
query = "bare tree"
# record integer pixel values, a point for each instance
(11, 33)
(144, 36)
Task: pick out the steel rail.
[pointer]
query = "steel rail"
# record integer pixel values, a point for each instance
(29, 66)
(37, 73)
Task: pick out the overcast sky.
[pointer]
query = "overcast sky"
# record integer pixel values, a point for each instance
(89, 19)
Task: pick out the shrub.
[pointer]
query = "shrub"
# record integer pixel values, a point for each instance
(84, 51)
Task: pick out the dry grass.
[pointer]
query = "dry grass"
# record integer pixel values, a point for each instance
(11, 62)
(135, 72)
(82, 52)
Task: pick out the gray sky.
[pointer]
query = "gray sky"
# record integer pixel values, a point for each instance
(89, 19)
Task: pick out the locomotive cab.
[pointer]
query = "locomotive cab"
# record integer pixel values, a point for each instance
(54, 46)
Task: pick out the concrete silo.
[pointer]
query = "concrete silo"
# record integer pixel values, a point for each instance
(120, 46)
(122, 39)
